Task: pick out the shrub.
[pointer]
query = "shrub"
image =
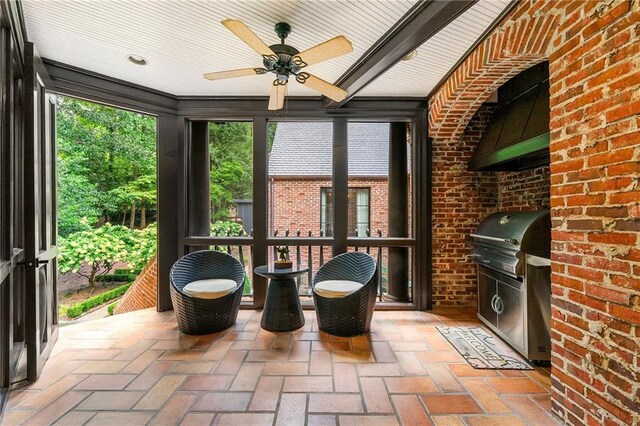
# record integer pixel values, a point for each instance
(111, 307)
(99, 248)
(114, 278)
(78, 309)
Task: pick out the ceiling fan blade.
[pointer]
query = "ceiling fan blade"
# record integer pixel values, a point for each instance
(233, 73)
(245, 34)
(329, 49)
(324, 87)
(278, 93)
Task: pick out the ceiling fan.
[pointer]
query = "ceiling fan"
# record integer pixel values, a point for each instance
(286, 61)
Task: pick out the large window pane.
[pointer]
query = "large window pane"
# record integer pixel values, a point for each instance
(231, 165)
(231, 155)
(300, 166)
(379, 198)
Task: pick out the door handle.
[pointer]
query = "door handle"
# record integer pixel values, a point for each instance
(493, 303)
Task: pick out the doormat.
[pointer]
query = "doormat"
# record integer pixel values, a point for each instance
(483, 350)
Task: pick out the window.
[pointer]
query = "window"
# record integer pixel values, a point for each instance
(358, 208)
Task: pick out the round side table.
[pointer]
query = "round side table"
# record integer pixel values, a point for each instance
(282, 310)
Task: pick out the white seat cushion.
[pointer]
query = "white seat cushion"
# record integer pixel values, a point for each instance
(337, 288)
(210, 289)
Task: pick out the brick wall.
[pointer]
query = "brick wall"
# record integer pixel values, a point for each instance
(593, 48)
(461, 198)
(525, 190)
(143, 292)
(296, 203)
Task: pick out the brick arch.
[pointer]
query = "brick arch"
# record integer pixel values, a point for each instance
(520, 42)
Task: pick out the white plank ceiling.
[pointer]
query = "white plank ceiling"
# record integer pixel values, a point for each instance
(183, 39)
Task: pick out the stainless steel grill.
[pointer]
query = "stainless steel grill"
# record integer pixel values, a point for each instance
(512, 250)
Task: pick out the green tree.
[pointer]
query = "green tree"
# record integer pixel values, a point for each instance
(105, 147)
(99, 248)
(143, 245)
(138, 194)
(78, 201)
(231, 154)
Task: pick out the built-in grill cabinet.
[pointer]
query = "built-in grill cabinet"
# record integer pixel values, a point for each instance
(512, 250)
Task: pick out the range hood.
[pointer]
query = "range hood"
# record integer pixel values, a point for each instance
(517, 137)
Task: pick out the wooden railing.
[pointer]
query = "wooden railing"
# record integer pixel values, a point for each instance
(305, 249)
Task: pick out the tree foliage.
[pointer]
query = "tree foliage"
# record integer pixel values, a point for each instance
(231, 154)
(101, 149)
(99, 248)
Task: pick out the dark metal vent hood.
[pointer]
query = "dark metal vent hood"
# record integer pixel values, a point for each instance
(517, 137)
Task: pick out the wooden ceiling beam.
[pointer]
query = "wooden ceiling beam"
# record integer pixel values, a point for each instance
(425, 19)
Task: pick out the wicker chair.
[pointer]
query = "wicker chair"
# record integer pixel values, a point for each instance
(350, 315)
(203, 316)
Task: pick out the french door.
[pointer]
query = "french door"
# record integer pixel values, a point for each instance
(39, 218)
(12, 290)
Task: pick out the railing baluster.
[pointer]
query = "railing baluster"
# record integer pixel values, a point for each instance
(275, 252)
(241, 251)
(379, 268)
(368, 235)
(356, 247)
(310, 264)
(299, 277)
(321, 250)
(217, 233)
(229, 247)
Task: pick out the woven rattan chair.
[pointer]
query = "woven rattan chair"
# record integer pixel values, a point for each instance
(203, 316)
(350, 315)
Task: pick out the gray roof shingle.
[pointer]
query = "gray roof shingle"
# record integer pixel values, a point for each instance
(304, 149)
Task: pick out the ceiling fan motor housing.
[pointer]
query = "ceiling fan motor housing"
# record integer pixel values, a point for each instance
(282, 65)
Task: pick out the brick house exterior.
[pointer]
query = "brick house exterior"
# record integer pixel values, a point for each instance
(593, 51)
(300, 166)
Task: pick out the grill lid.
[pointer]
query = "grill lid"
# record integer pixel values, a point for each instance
(527, 231)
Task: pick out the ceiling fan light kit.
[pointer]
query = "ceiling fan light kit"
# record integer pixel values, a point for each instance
(285, 61)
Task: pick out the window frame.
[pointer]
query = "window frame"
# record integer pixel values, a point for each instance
(328, 214)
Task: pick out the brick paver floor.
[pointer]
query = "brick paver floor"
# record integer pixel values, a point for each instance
(138, 368)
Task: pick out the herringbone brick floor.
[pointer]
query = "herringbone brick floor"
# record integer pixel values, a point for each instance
(137, 368)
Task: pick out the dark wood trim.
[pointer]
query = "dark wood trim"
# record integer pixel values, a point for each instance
(198, 181)
(398, 213)
(299, 108)
(75, 82)
(260, 203)
(78, 83)
(419, 24)
(340, 185)
(11, 17)
(475, 44)
(169, 191)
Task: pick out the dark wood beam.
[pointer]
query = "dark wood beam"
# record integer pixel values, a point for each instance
(418, 25)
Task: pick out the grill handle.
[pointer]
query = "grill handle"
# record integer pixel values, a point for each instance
(502, 240)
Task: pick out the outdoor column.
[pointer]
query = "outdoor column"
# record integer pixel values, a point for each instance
(340, 185)
(398, 213)
(170, 151)
(198, 182)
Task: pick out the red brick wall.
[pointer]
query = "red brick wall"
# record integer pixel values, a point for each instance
(461, 198)
(525, 190)
(593, 48)
(296, 203)
(143, 292)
